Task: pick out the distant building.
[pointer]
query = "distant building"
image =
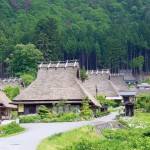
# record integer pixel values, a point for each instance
(98, 82)
(143, 88)
(56, 82)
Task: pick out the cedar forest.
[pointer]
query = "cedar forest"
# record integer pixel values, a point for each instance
(100, 33)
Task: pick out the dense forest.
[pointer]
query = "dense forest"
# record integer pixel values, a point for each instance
(111, 34)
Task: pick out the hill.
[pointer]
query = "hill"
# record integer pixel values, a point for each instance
(101, 33)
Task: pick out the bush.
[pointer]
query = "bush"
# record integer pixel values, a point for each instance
(9, 129)
(100, 114)
(101, 99)
(82, 145)
(83, 74)
(27, 79)
(143, 101)
(44, 112)
(67, 117)
(11, 91)
(29, 119)
(86, 112)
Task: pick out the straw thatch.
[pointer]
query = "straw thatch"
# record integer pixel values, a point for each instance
(99, 84)
(118, 82)
(5, 101)
(11, 82)
(55, 82)
(143, 91)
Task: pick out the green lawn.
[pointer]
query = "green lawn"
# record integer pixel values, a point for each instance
(62, 140)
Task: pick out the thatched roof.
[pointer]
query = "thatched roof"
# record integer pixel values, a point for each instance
(118, 82)
(143, 91)
(5, 101)
(55, 82)
(11, 82)
(101, 84)
(128, 76)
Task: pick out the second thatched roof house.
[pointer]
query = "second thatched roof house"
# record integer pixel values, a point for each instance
(98, 83)
(56, 81)
(5, 106)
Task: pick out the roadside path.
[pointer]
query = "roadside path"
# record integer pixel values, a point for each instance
(38, 131)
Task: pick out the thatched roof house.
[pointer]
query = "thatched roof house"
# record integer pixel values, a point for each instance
(55, 81)
(5, 106)
(98, 83)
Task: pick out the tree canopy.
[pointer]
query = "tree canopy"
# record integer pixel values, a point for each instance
(100, 33)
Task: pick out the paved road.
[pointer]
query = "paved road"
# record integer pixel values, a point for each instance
(36, 132)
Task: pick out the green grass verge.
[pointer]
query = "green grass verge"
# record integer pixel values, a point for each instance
(11, 129)
(62, 140)
(145, 117)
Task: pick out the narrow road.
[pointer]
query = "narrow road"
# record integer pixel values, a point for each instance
(38, 131)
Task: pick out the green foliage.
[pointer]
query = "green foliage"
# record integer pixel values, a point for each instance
(99, 33)
(101, 99)
(147, 80)
(27, 79)
(24, 59)
(83, 144)
(83, 74)
(11, 91)
(29, 119)
(137, 62)
(68, 117)
(86, 112)
(10, 129)
(143, 101)
(100, 114)
(44, 112)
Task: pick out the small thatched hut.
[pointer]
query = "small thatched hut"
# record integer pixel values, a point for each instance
(98, 83)
(5, 107)
(55, 82)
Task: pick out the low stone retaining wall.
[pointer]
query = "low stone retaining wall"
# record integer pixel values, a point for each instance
(111, 125)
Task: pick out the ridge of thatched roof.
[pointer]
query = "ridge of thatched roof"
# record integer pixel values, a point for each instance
(99, 84)
(5, 100)
(54, 84)
(10, 82)
(59, 64)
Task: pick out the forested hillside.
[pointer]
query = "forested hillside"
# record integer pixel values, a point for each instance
(101, 33)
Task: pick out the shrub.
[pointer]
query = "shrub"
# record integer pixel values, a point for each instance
(82, 145)
(29, 119)
(101, 99)
(86, 112)
(44, 112)
(100, 114)
(11, 91)
(67, 117)
(27, 79)
(143, 101)
(83, 74)
(10, 129)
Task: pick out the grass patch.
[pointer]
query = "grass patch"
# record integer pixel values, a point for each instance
(10, 129)
(145, 117)
(61, 140)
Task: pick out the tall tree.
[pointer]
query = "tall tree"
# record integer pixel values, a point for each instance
(48, 39)
(24, 59)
